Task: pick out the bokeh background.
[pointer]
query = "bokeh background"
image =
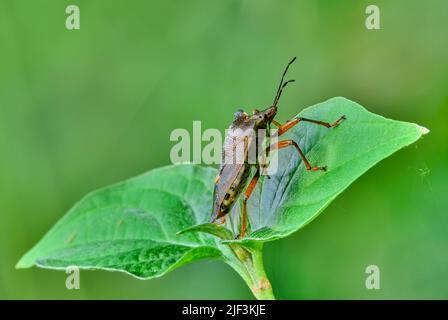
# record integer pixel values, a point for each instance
(86, 108)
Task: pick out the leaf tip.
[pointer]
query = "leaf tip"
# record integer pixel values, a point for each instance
(424, 130)
(22, 264)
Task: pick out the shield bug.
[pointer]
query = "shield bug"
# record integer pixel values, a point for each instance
(242, 138)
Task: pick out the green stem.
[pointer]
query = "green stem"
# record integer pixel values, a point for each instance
(250, 266)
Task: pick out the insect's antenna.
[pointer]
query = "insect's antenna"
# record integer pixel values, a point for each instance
(280, 92)
(281, 84)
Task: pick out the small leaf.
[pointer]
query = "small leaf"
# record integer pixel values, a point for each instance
(132, 226)
(210, 228)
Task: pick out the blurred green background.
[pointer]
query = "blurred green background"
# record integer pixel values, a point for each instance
(86, 108)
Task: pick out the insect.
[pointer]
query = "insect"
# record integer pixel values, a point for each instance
(233, 176)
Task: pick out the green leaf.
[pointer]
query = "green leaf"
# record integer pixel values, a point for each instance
(132, 226)
(294, 196)
(135, 226)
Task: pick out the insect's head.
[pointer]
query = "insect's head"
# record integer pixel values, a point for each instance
(264, 117)
(270, 113)
(258, 119)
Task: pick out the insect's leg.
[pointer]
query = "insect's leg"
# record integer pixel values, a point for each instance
(278, 124)
(288, 125)
(286, 143)
(322, 123)
(222, 221)
(246, 197)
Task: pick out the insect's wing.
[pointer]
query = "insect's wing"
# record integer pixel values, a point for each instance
(236, 145)
(227, 175)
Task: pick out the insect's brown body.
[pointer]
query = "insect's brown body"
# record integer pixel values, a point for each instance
(236, 168)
